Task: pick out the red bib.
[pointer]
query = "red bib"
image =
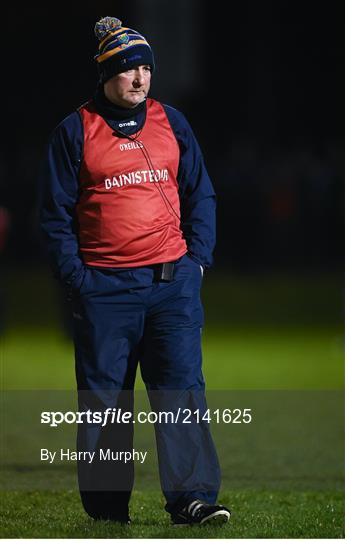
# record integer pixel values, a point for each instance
(129, 208)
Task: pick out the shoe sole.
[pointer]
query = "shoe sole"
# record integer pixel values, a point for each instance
(217, 518)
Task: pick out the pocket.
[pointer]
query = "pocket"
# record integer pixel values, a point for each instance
(102, 281)
(196, 265)
(86, 284)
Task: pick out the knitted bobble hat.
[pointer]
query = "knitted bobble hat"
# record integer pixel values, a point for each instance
(120, 48)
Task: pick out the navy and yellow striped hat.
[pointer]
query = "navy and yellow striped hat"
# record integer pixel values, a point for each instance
(120, 48)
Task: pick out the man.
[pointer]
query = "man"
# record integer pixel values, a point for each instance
(129, 218)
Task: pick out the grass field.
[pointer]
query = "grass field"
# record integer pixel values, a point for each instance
(282, 335)
(256, 514)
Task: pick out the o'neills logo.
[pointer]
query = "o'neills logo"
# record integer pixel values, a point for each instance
(137, 177)
(131, 146)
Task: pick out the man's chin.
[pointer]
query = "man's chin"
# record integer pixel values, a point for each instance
(136, 99)
(132, 101)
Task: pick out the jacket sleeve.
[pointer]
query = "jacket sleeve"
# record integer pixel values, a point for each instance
(58, 194)
(197, 196)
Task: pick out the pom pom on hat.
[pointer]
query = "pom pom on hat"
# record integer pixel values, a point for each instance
(106, 25)
(120, 48)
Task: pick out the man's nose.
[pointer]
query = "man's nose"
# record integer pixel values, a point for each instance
(139, 77)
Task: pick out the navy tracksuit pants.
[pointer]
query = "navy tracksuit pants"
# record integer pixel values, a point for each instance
(123, 317)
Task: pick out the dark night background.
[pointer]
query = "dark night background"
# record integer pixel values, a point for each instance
(261, 85)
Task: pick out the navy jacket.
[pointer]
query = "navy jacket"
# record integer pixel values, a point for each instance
(59, 189)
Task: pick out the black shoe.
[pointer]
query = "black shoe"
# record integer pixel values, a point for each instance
(200, 513)
(107, 505)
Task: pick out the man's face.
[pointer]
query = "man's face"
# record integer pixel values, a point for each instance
(129, 88)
